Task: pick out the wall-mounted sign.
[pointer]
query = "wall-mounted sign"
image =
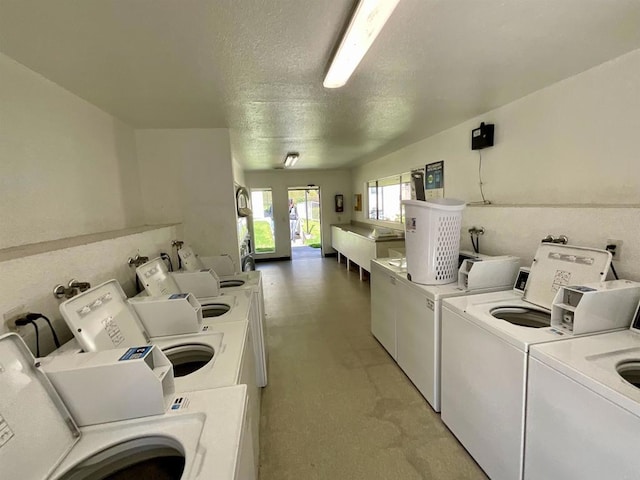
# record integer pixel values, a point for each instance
(357, 202)
(434, 180)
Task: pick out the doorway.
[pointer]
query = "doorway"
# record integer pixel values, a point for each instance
(305, 226)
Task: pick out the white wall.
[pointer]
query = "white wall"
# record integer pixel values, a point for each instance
(66, 167)
(29, 280)
(68, 171)
(187, 177)
(571, 145)
(238, 173)
(331, 182)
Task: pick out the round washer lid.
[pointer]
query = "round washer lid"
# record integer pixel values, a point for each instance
(36, 429)
(556, 266)
(102, 319)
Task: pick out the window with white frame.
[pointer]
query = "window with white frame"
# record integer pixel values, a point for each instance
(385, 196)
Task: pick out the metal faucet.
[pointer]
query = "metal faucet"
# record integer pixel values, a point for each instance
(562, 239)
(137, 261)
(75, 287)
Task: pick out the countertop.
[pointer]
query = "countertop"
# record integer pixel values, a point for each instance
(368, 232)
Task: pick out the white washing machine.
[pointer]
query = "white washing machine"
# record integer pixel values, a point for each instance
(222, 265)
(219, 355)
(583, 408)
(158, 281)
(485, 352)
(235, 284)
(406, 316)
(201, 435)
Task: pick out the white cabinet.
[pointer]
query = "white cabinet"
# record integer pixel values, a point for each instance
(383, 307)
(417, 339)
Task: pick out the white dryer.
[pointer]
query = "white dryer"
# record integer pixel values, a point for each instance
(200, 435)
(406, 316)
(485, 352)
(583, 408)
(219, 355)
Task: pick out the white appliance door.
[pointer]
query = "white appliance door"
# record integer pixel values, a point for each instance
(572, 432)
(483, 395)
(383, 308)
(416, 341)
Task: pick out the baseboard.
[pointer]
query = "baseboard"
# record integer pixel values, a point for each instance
(274, 259)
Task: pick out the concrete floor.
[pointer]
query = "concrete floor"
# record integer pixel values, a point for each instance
(337, 406)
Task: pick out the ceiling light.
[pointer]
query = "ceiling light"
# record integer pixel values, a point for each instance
(291, 159)
(366, 23)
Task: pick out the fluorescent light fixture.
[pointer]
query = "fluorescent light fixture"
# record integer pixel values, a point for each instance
(366, 23)
(291, 159)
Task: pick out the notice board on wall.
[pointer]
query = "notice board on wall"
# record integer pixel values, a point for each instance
(434, 180)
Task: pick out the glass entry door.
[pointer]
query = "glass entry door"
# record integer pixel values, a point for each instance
(305, 229)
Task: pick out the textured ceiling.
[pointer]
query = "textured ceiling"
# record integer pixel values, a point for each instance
(257, 66)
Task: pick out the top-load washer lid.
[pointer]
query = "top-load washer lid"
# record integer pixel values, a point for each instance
(36, 430)
(190, 260)
(554, 266)
(156, 279)
(101, 319)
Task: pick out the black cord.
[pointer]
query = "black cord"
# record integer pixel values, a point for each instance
(484, 200)
(138, 285)
(613, 270)
(473, 243)
(165, 256)
(37, 337)
(53, 332)
(31, 318)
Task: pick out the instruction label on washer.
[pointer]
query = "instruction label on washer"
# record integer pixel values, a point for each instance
(180, 403)
(560, 279)
(113, 330)
(176, 296)
(6, 433)
(135, 353)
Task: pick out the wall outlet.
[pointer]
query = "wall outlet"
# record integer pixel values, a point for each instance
(10, 317)
(615, 247)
